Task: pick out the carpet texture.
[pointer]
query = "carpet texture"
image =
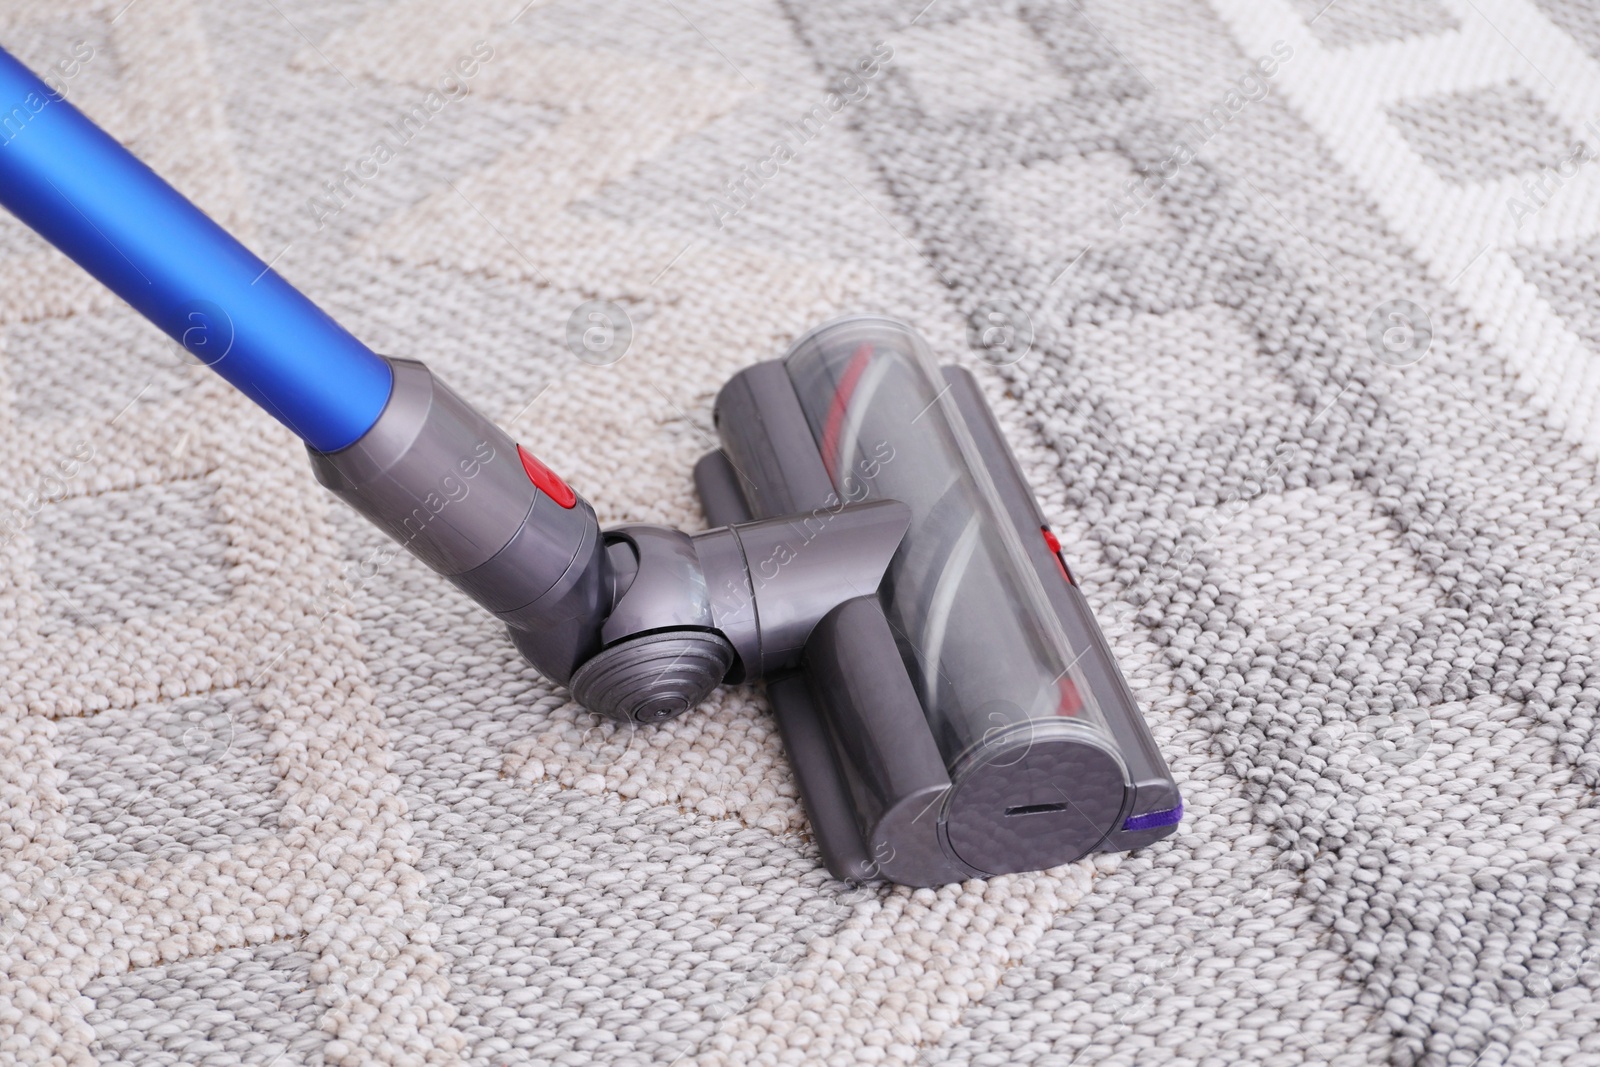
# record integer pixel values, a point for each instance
(1313, 400)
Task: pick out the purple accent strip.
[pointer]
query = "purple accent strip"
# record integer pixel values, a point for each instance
(1152, 819)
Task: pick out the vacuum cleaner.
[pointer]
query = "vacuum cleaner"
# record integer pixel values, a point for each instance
(950, 708)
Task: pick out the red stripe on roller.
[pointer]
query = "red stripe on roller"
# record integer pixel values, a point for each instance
(837, 409)
(1071, 701)
(1054, 545)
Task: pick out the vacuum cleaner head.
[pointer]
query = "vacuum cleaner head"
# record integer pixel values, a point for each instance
(965, 717)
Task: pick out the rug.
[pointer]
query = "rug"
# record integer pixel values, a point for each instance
(1303, 360)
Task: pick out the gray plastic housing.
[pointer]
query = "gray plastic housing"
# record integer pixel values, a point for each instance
(763, 585)
(640, 621)
(894, 791)
(449, 485)
(737, 603)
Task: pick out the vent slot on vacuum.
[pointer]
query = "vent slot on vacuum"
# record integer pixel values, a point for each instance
(1036, 809)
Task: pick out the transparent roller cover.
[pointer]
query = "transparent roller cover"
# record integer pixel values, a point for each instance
(1040, 751)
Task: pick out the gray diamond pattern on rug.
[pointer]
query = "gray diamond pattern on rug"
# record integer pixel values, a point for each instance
(1348, 23)
(167, 780)
(131, 553)
(1577, 18)
(1567, 276)
(1484, 134)
(557, 901)
(252, 1006)
(64, 367)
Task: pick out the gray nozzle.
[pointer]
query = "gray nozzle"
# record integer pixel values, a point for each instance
(450, 486)
(737, 603)
(642, 621)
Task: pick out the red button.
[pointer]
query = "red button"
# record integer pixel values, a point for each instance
(546, 480)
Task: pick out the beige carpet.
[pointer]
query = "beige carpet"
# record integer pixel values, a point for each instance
(271, 795)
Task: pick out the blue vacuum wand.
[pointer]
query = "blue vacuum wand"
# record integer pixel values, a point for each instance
(87, 195)
(949, 704)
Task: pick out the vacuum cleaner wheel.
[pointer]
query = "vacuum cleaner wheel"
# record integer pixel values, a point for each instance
(654, 677)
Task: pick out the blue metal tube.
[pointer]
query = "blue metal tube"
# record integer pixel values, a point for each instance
(87, 195)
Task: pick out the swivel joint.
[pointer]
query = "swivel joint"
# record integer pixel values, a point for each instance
(642, 621)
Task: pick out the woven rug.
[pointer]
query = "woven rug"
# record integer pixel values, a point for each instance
(1305, 369)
